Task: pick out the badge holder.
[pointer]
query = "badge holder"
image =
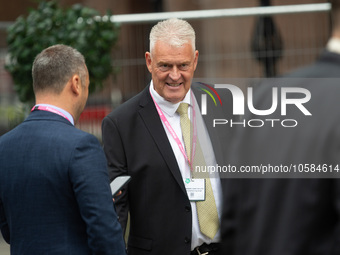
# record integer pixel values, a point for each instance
(195, 189)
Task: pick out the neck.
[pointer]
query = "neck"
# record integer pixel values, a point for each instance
(57, 101)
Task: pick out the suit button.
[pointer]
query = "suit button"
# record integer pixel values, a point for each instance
(187, 209)
(187, 240)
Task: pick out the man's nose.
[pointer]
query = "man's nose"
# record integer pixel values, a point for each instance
(174, 73)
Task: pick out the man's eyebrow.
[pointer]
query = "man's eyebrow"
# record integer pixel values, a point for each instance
(173, 63)
(162, 63)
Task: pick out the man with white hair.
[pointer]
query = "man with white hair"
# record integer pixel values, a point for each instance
(144, 138)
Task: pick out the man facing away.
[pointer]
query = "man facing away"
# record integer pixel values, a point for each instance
(297, 212)
(54, 188)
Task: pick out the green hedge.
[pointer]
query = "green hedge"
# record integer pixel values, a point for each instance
(80, 27)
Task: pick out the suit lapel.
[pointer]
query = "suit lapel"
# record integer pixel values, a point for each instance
(153, 123)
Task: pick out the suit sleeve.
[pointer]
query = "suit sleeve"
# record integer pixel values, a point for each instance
(3, 224)
(334, 152)
(117, 165)
(229, 215)
(91, 186)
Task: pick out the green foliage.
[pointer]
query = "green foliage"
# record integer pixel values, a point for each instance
(11, 116)
(78, 26)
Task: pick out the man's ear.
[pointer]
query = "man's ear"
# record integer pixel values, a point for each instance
(196, 59)
(148, 61)
(75, 84)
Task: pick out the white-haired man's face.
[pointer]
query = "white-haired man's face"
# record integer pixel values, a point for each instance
(172, 69)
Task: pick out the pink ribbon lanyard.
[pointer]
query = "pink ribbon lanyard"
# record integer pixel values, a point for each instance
(174, 135)
(49, 109)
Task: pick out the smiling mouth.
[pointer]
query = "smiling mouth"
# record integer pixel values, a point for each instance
(174, 84)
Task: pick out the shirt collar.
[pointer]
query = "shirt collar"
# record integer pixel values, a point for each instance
(333, 45)
(166, 106)
(67, 114)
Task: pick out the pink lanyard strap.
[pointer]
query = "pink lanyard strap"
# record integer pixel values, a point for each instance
(49, 109)
(174, 135)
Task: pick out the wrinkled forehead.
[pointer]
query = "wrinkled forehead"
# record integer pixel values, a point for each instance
(162, 47)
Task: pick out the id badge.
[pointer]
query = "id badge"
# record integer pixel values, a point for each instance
(195, 189)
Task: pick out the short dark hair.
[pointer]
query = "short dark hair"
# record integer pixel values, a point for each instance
(54, 66)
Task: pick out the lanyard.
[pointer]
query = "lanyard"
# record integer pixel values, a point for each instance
(49, 109)
(174, 135)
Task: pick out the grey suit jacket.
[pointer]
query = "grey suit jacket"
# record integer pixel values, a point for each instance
(290, 215)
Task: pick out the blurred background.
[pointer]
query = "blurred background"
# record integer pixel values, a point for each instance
(230, 47)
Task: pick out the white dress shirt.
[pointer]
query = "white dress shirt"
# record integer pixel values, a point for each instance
(333, 45)
(169, 110)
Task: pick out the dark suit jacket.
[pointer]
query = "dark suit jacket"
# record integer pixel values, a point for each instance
(289, 216)
(136, 144)
(54, 190)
